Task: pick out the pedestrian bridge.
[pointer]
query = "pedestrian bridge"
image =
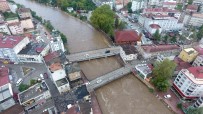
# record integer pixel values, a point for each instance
(95, 54)
(109, 77)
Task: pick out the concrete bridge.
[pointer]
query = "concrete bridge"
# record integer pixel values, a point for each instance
(95, 54)
(109, 77)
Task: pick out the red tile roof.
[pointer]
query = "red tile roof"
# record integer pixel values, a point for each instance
(14, 24)
(192, 7)
(155, 10)
(126, 36)
(155, 26)
(156, 48)
(199, 50)
(4, 79)
(196, 71)
(51, 56)
(169, 3)
(10, 41)
(181, 64)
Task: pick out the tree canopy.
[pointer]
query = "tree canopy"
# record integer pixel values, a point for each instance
(103, 18)
(200, 33)
(156, 35)
(162, 72)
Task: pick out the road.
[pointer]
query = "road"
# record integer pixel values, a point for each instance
(83, 56)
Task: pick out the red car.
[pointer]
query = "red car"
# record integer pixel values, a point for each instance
(46, 75)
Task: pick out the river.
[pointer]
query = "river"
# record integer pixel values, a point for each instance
(126, 95)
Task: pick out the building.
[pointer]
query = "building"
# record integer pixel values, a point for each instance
(198, 103)
(170, 4)
(137, 5)
(162, 22)
(15, 28)
(143, 70)
(128, 53)
(27, 23)
(10, 46)
(191, 8)
(151, 51)
(198, 61)
(13, 7)
(188, 55)
(161, 58)
(33, 52)
(24, 13)
(12, 20)
(6, 92)
(59, 78)
(152, 28)
(189, 82)
(15, 109)
(34, 96)
(119, 4)
(4, 28)
(4, 6)
(196, 19)
(56, 43)
(74, 72)
(1, 17)
(127, 37)
(155, 2)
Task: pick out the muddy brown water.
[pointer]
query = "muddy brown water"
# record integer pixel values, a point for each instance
(123, 96)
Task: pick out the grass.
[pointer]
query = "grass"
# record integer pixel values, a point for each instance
(26, 70)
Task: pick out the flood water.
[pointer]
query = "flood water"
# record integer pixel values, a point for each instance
(123, 96)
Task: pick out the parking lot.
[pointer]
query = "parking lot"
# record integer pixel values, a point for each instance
(16, 71)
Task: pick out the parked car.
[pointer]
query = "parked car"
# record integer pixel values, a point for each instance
(42, 76)
(46, 75)
(167, 96)
(19, 82)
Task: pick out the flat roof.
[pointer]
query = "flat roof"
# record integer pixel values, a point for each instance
(129, 49)
(16, 109)
(4, 75)
(190, 50)
(33, 91)
(144, 69)
(5, 93)
(61, 82)
(33, 48)
(10, 41)
(58, 74)
(55, 66)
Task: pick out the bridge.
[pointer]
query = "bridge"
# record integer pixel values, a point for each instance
(109, 77)
(95, 54)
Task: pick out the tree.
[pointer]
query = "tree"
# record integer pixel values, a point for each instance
(162, 72)
(190, 1)
(63, 37)
(23, 87)
(179, 7)
(121, 25)
(116, 23)
(129, 5)
(156, 35)
(200, 33)
(194, 110)
(33, 82)
(103, 18)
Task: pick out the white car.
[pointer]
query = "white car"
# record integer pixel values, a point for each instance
(42, 76)
(167, 96)
(98, 81)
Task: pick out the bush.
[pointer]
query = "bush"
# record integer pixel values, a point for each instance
(33, 82)
(23, 87)
(179, 105)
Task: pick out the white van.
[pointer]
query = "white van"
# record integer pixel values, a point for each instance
(42, 76)
(19, 82)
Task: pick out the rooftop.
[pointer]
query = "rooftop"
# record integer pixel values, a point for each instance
(199, 49)
(190, 51)
(58, 74)
(14, 24)
(155, 26)
(33, 48)
(156, 48)
(23, 10)
(4, 75)
(57, 56)
(192, 7)
(71, 68)
(126, 35)
(169, 3)
(198, 15)
(55, 66)
(16, 109)
(181, 64)
(33, 92)
(61, 82)
(144, 69)
(10, 41)
(128, 49)
(155, 10)
(196, 71)
(5, 94)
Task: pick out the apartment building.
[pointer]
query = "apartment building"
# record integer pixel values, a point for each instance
(56, 42)
(137, 5)
(198, 61)
(4, 28)
(34, 96)
(188, 54)
(4, 6)
(10, 46)
(189, 82)
(27, 23)
(6, 93)
(15, 28)
(170, 4)
(24, 13)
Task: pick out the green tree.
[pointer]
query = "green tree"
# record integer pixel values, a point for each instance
(156, 35)
(103, 18)
(162, 72)
(23, 87)
(116, 23)
(179, 7)
(122, 25)
(195, 110)
(200, 33)
(63, 37)
(129, 5)
(190, 1)
(33, 82)
(166, 38)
